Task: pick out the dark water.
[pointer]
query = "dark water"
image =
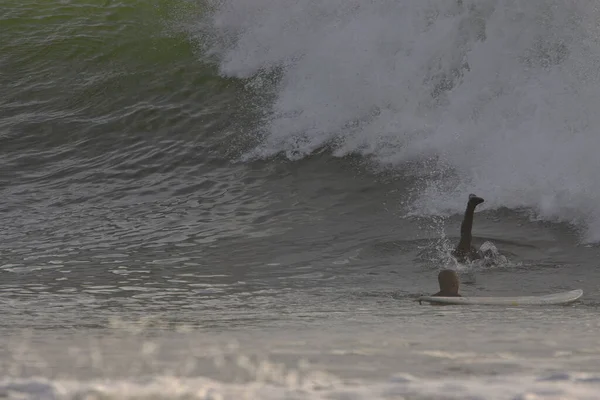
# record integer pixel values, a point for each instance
(182, 218)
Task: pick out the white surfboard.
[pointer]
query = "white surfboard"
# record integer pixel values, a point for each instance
(549, 299)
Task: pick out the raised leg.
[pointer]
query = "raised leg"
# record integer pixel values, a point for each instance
(463, 250)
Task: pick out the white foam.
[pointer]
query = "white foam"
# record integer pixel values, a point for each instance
(561, 386)
(519, 125)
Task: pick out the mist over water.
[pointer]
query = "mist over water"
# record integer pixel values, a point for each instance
(495, 97)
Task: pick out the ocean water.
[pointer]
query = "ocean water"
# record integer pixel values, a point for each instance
(241, 199)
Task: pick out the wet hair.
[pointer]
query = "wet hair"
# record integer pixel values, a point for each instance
(448, 280)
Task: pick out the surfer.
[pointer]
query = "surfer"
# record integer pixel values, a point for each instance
(447, 278)
(464, 251)
(449, 283)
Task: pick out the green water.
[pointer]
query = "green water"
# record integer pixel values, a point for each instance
(101, 62)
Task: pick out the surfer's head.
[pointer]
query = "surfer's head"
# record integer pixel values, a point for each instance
(449, 283)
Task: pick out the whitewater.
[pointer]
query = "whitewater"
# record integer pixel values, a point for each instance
(495, 97)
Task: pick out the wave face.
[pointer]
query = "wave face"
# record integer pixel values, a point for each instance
(497, 97)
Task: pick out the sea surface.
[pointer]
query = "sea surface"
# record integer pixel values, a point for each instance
(242, 199)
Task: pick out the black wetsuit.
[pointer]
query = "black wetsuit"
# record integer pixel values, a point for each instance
(464, 251)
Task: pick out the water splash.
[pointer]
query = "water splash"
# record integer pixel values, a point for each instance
(501, 94)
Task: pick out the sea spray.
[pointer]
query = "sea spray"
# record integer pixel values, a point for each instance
(502, 94)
